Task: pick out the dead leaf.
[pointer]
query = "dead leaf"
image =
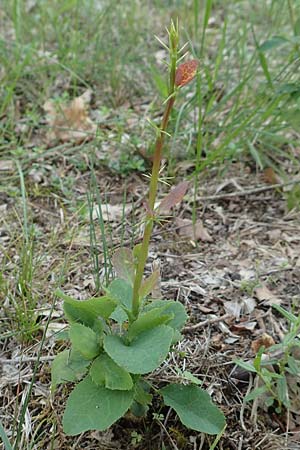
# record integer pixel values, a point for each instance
(264, 294)
(270, 176)
(194, 232)
(113, 213)
(264, 340)
(243, 326)
(239, 307)
(70, 122)
(174, 196)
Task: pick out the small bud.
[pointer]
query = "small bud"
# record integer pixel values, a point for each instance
(186, 72)
(173, 36)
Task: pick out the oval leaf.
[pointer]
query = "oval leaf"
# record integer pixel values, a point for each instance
(194, 408)
(171, 307)
(87, 311)
(105, 372)
(67, 366)
(145, 353)
(84, 340)
(92, 407)
(121, 292)
(274, 42)
(148, 320)
(186, 72)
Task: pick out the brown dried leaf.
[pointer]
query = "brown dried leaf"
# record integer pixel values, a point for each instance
(264, 294)
(174, 196)
(270, 176)
(264, 340)
(195, 232)
(70, 122)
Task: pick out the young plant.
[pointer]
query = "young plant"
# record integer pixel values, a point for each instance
(275, 365)
(120, 337)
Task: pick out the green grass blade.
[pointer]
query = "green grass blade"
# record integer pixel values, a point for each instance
(4, 438)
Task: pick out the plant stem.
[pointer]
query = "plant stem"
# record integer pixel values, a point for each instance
(143, 253)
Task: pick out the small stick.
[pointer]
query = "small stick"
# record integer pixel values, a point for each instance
(206, 322)
(24, 359)
(248, 191)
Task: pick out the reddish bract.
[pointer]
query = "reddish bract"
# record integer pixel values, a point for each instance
(186, 72)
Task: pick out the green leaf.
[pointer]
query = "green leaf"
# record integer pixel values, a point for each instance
(194, 408)
(87, 311)
(292, 116)
(289, 316)
(264, 65)
(282, 391)
(256, 393)
(269, 375)
(297, 27)
(142, 399)
(124, 265)
(190, 377)
(85, 340)
(255, 155)
(293, 198)
(141, 393)
(67, 366)
(274, 42)
(92, 407)
(171, 307)
(121, 292)
(105, 372)
(293, 366)
(4, 438)
(245, 365)
(145, 353)
(119, 315)
(257, 359)
(269, 401)
(62, 335)
(148, 320)
(138, 410)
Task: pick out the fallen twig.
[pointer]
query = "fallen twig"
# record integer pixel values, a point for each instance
(248, 191)
(25, 359)
(206, 322)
